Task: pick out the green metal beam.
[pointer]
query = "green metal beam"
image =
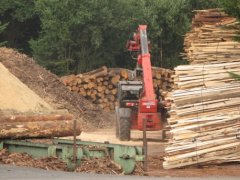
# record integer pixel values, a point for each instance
(126, 156)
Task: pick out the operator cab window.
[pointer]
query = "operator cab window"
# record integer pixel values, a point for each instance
(130, 95)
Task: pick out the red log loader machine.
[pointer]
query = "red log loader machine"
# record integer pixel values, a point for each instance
(140, 101)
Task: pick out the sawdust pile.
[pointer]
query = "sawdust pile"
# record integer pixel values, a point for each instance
(103, 165)
(155, 161)
(138, 171)
(99, 165)
(49, 87)
(24, 159)
(16, 95)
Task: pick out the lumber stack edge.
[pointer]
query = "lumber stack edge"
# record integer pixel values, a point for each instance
(205, 109)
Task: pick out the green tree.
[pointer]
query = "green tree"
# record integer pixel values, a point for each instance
(168, 21)
(23, 24)
(232, 7)
(78, 36)
(71, 32)
(81, 35)
(2, 27)
(204, 4)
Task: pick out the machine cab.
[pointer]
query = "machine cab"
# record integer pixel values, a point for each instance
(129, 92)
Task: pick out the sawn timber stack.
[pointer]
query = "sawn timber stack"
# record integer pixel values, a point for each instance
(205, 115)
(100, 85)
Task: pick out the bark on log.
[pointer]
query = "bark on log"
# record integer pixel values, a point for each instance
(99, 74)
(110, 97)
(104, 68)
(38, 129)
(106, 84)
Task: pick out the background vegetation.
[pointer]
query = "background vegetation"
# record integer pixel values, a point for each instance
(73, 36)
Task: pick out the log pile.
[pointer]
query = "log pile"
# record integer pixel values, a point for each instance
(205, 115)
(100, 85)
(37, 125)
(162, 82)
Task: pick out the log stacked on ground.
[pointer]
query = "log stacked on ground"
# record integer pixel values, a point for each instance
(205, 115)
(37, 125)
(162, 81)
(100, 85)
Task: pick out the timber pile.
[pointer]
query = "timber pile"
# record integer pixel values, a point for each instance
(100, 85)
(205, 115)
(210, 41)
(37, 125)
(162, 82)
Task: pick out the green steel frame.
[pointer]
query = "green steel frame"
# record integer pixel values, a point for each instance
(126, 156)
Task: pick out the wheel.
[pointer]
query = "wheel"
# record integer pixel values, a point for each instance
(125, 129)
(117, 127)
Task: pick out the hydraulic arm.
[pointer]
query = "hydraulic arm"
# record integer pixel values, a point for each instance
(148, 105)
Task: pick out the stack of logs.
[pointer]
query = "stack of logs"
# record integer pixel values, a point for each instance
(100, 85)
(37, 125)
(205, 115)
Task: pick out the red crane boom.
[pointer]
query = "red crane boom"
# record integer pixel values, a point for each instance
(148, 105)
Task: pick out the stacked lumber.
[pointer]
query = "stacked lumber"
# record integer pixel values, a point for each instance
(37, 125)
(100, 85)
(204, 75)
(209, 40)
(205, 115)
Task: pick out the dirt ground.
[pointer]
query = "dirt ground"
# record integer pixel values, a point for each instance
(156, 152)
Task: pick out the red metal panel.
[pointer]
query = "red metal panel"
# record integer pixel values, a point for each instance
(147, 78)
(153, 121)
(134, 121)
(148, 106)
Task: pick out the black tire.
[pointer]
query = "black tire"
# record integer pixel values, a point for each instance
(117, 127)
(125, 129)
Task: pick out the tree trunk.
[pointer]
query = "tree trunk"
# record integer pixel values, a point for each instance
(25, 126)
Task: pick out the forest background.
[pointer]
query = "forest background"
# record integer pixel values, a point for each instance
(76, 36)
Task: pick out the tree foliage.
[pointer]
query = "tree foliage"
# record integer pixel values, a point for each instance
(82, 35)
(73, 36)
(23, 24)
(2, 28)
(232, 7)
(235, 76)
